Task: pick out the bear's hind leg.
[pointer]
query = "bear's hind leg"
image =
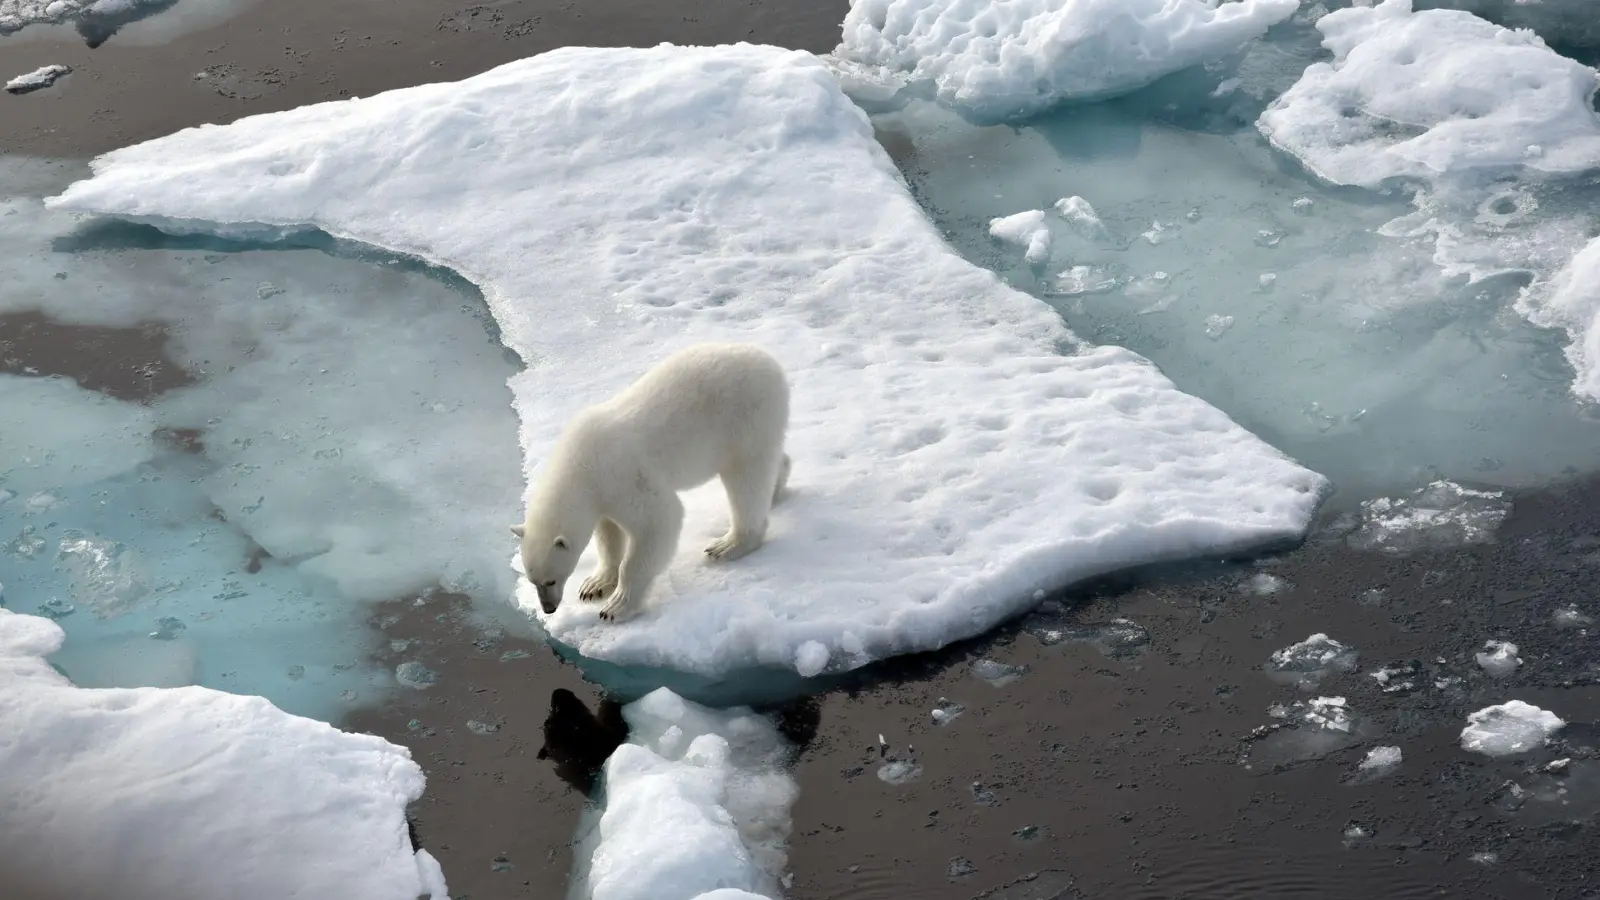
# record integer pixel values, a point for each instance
(652, 526)
(613, 543)
(751, 487)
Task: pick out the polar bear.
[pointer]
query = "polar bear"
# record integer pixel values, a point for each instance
(710, 410)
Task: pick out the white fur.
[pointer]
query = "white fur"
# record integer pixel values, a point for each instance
(711, 410)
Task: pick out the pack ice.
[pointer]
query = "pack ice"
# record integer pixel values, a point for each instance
(997, 61)
(190, 792)
(957, 452)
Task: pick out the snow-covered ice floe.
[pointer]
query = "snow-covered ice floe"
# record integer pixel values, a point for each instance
(1510, 728)
(957, 451)
(38, 79)
(1002, 60)
(153, 793)
(1426, 93)
(696, 807)
(18, 14)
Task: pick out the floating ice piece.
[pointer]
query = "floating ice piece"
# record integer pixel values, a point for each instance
(1571, 617)
(933, 411)
(811, 659)
(1116, 638)
(150, 793)
(997, 673)
(946, 711)
(1432, 93)
(38, 79)
(1218, 325)
(1381, 760)
(1265, 583)
(1311, 660)
(415, 675)
(1510, 728)
(1004, 60)
(899, 771)
(1440, 515)
(18, 14)
(1080, 280)
(1498, 658)
(105, 577)
(1027, 230)
(1399, 677)
(1081, 216)
(697, 800)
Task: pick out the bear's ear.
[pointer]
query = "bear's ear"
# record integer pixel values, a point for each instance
(561, 543)
(518, 530)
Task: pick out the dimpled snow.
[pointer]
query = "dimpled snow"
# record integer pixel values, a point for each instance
(956, 451)
(1002, 60)
(697, 806)
(190, 792)
(1421, 94)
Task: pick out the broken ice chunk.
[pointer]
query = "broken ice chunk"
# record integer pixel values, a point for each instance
(415, 675)
(1311, 660)
(38, 79)
(1441, 515)
(1025, 229)
(1218, 325)
(1081, 216)
(1510, 728)
(997, 673)
(899, 771)
(1381, 759)
(946, 711)
(1498, 658)
(1571, 616)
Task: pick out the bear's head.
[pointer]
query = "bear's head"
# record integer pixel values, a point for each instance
(547, 561)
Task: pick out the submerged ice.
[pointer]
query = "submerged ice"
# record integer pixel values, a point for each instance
(935, 408)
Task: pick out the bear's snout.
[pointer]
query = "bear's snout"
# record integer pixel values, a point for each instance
(549, 597)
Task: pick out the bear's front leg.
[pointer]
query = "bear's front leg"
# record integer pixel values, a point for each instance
(613, 543)
(652, 526)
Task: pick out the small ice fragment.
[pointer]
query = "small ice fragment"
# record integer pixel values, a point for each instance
(1329, 713)
(997, 673)
(1558, 766)
(1302, 205)
(899, 771)
(1080, 280)
(57, 608)
(1025, 229)
(1226, 86)
(982, 795)
(1267, 280)
(509, 655)
(1398, 677)
(1440, 515)
(1372, 597)
(1381, 759)
(1356, 833)
(296, 673)
(961, 866)
(1571, 617)
(1312, 659)
(1218, 325)
(810, 659)
(1509, 728)
(1485, 858)
(167, 628)
(1080, 215)
(415, 675)
(1498, 658)
(1263, 583)
(484, 728)
(500, 864)
(946, 711)
(37, 79)
(1155, 234)
(1269, 237)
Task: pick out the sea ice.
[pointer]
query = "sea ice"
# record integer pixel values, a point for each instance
(1311, 660)
(933, 408)
(1570, 616)
(998, 61)
(1081, 216)
(150, 793)
(1434, 92)
(698, 800)
(38, 79)
(1571, 302)
(1498, 658)
(1510, 728)
(1027, 230)
(1442, 514)
(1381, 759)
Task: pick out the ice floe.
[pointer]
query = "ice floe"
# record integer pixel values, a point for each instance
(151, 793)
(1509, 728)
(39, 78)
(1002, 60)
(715, 193)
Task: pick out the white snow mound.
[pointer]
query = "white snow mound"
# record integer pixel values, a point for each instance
(190, 792)
(697, 805)
(1435, 92)
(1510, 728)
(955, 450)
(999, 60)
(1572, 302)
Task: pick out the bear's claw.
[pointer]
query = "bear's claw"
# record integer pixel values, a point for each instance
(728, 548)
(596, 587)
(618, 607)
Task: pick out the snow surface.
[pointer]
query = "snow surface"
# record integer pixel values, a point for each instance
(997, 61)
(696, 806)
(1027, 230)
(1510, 728)
(42, 77)
(194, 793)
(957, 452)
(1421, 94)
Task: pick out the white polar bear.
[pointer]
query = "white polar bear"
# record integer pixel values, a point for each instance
(708, 410)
